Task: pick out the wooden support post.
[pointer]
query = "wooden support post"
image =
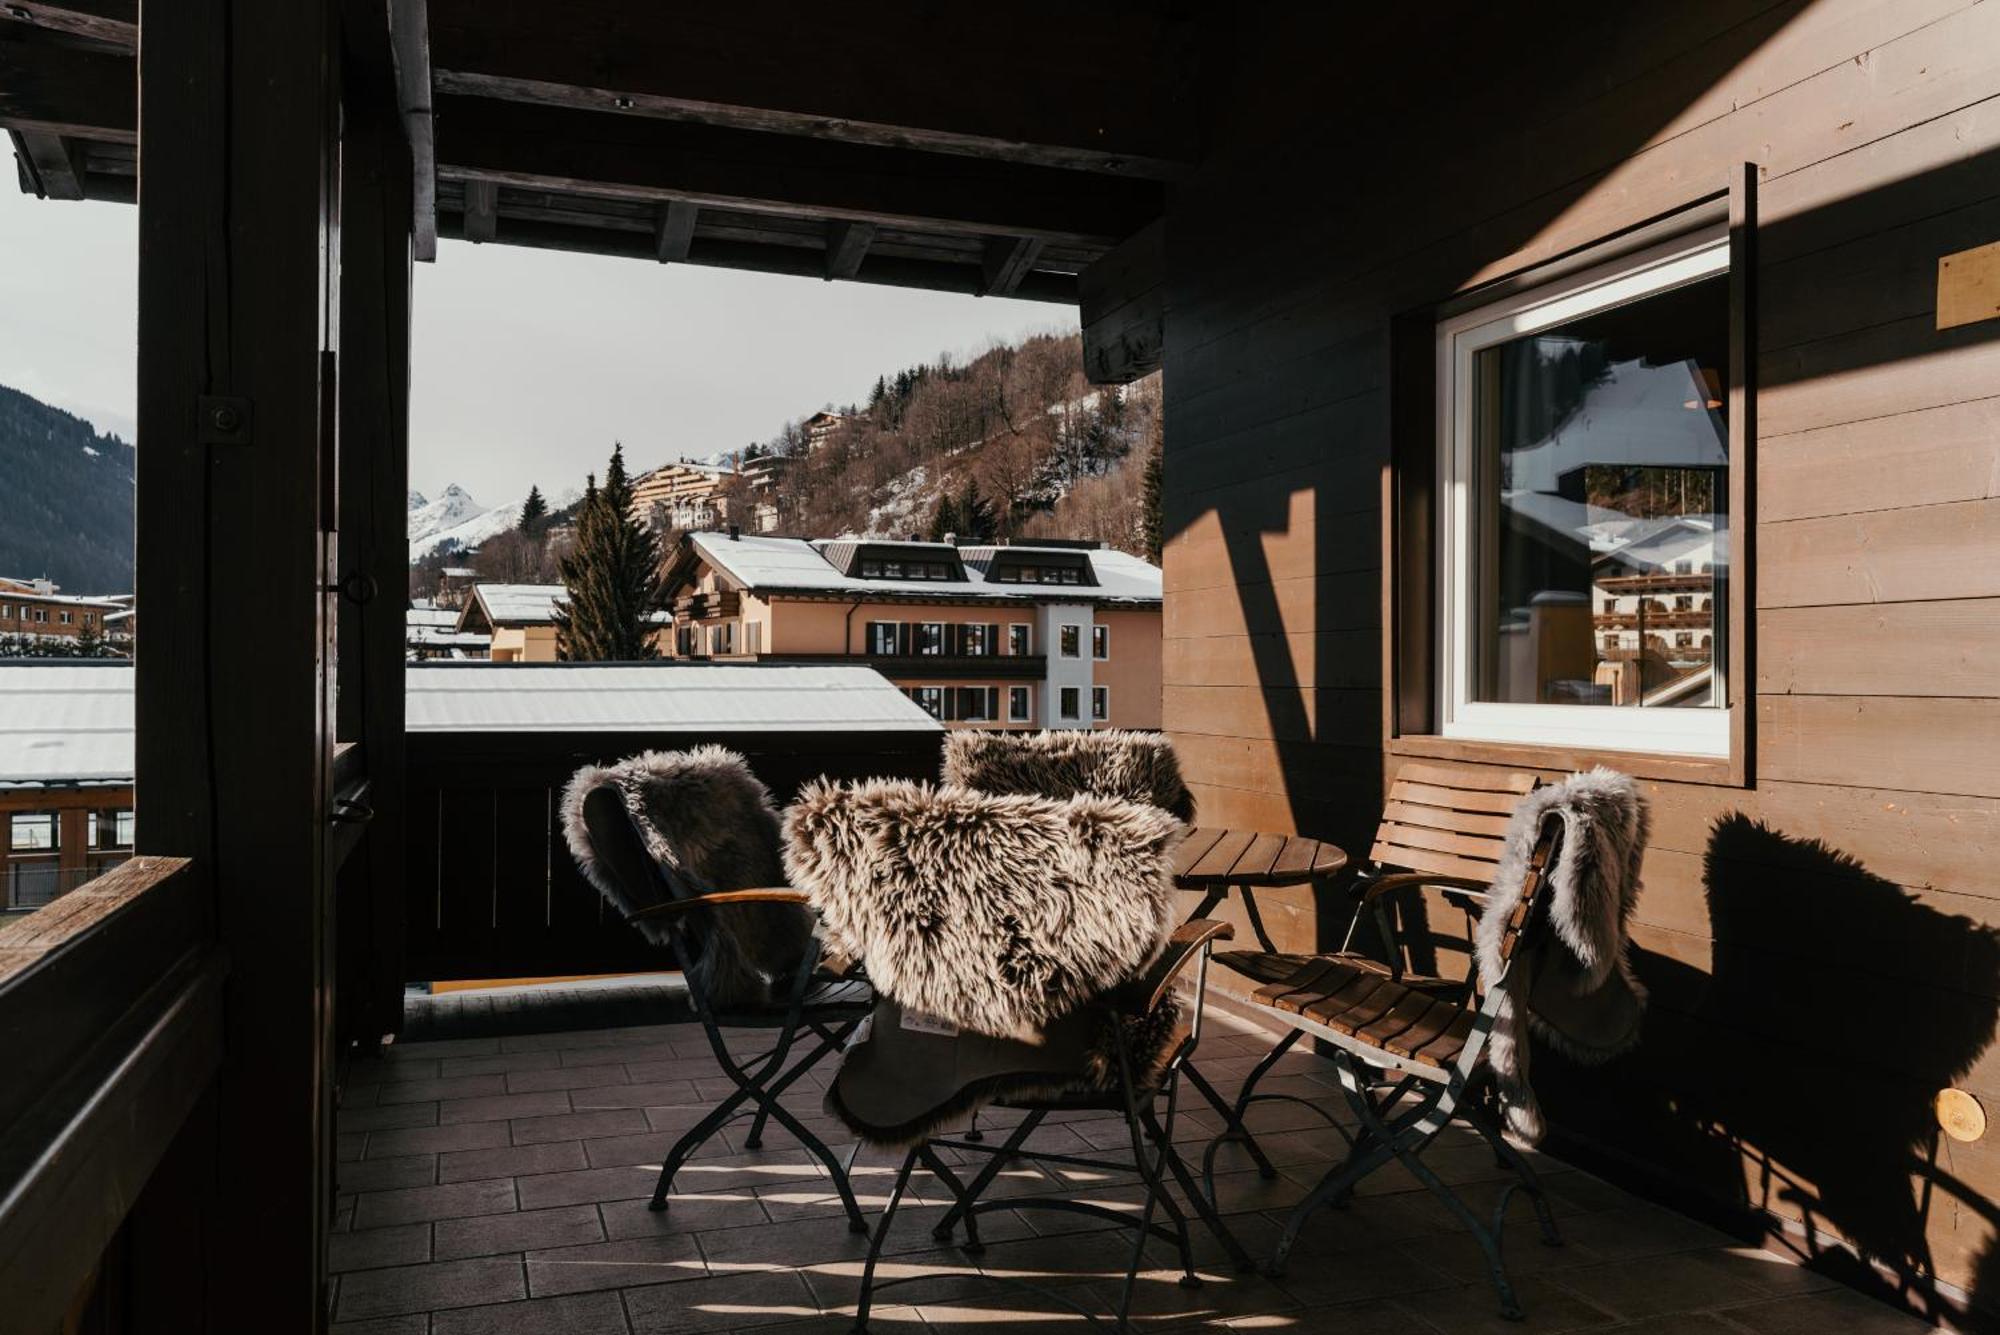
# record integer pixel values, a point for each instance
(375, 245)
(482, 208)
(410, 41)
(1124, 300)
(846, 246)
(238, 293)
(674, 229)
(1007, 261)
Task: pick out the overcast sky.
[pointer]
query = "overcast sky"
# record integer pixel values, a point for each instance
(527, 364)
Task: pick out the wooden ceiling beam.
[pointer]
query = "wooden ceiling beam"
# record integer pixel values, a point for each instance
(846, 246)
(673, 232)
(885, 270)
(1007, 261)
(482, 210)
(113, 23)
(69, 91)
(596, 153)
(54, 163)
(409, 45)
(1093, 87)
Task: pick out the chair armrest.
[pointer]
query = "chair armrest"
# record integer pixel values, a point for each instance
(1402, 880)
(675, 907)
(1189, 940)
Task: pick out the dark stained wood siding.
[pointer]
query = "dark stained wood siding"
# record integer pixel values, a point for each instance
(1821, 944)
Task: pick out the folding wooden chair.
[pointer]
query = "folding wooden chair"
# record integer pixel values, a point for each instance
(1148, 1110)
(1443, 827)
(1430, 1044)
(818, 1010)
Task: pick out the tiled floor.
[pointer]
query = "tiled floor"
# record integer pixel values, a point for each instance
(498, 1185)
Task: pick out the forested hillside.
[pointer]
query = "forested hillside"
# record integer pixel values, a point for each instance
(1041, 451)
(68, 500)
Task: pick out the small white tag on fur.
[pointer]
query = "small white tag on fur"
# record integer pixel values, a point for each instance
(918, 1023)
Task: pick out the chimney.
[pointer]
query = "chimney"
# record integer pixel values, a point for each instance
(951, 539)
(735, 533)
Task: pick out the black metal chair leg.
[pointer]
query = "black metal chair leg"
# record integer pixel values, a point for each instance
(867, 1296)
(1489, 1242)
(691, 1140)
(856, 1222)
(1203, 1205)
(1232, 1123)
(1531, 1182)
(995, 1161)
(960, 1201)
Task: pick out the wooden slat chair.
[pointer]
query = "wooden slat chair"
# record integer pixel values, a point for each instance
(1430, 1044)
(1442, 827)
(819, 1008)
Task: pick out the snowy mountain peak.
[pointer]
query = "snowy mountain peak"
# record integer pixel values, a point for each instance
(454, 506)
(417, 500)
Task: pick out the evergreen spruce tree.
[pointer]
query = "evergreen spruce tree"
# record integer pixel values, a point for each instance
(533, 511)
(611, 577)
(946, 520)
(978, 520)
(1151, 530)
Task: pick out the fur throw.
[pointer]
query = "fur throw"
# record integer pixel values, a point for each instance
(993, 913)
(1575, 988)
(1137, 766)
(707, 823)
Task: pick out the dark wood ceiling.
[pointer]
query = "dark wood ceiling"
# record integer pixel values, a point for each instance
(926, 143)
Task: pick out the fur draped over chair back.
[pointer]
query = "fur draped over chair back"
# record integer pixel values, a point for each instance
(996, 913)
(1137, 766)
(1580, 994)
(693, 821)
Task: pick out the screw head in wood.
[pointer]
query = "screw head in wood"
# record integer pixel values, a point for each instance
(225, 418)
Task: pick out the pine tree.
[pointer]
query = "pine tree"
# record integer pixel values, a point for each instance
(611, 577)
(978, 521)
(946, 520)
(533, 511)
(1151, 529)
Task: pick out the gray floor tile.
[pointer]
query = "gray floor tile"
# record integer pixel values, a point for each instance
(434, 1139)
(499, 1107)
(615, 1265)
(519, 1231)
(372, 1248)
(457, 1087)
(578, 1126)
(453, 1201)
(567, 1077)
(422, 1288)
(729, 1302)
(410, 1170)
(556, 1156)
(584, 1314)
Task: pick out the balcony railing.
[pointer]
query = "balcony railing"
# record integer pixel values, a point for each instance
(491, 890)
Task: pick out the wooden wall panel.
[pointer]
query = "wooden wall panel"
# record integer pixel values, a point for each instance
(1858, 859)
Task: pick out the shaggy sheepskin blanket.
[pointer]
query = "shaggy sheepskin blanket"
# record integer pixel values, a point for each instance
(1137, 766)
(705, 822)
(992, 912)
(1575, 989)
(997, 917)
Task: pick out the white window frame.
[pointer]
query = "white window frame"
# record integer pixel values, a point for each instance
(1063, 696)
(1063, 634)
(1027, 711)
(933, 632)
(1027, 641)
(1672, 731)
(1098, 693)
(1100, 638)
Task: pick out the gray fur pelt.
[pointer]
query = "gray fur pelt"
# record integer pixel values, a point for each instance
(709, 824)
(996, 913)
(1137, 766)
(1581, 995)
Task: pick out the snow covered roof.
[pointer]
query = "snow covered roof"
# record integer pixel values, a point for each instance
(65, 723)
(529, 604)
(655, 697)
(768, 564)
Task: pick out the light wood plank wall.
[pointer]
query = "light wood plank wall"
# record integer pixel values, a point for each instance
(1429, 152)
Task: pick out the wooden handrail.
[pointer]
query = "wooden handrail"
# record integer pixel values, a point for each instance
(27, 940)
(675, 907)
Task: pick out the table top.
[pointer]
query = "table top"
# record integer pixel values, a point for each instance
(1215, 857)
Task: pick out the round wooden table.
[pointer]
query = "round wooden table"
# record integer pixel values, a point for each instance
(1215, 861)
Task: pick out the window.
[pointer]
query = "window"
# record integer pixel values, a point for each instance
(892, 570)
(1019, 640)
(1072, 639)
(1070, 575)
(6, 611)
(976, 704)
(930, 699)
(34, 832)
(65, 618)
(930, 637)
(1584, 455)
(1100, 703)
(883, 636)
(976, 641)
(753, 637)
(41, 614)
(1068, 700)
(722, 638)
(1020, 705)
(1100, 642)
